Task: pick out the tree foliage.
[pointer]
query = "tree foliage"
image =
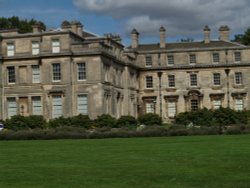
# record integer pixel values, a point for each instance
(23, 25)
(243, 38)
(246, 37)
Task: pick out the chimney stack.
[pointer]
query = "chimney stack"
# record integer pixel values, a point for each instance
(224, 33)
(37, 28)
(162, 37)
(134, 38)
(79, 29)
(206, 34)
(74, 26)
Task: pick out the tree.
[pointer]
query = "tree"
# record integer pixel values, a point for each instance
(238, 38)
(23, 25)
(243, 38)
(246, 37)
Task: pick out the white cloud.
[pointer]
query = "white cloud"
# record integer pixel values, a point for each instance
(180, 17)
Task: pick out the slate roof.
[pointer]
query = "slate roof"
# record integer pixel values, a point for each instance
(87, 34)
(189, 45)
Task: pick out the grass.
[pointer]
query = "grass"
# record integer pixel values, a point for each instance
(175, 162)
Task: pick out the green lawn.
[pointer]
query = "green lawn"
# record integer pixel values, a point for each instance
(207, 161)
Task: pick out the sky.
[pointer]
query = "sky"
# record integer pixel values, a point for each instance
(181, 18)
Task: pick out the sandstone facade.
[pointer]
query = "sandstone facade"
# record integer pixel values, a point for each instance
(70, 71)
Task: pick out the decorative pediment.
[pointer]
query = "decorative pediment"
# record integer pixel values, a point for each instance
(171, 97)
(239, 94)
(216, 95)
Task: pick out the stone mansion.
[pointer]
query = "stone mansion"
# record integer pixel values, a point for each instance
(69, 71)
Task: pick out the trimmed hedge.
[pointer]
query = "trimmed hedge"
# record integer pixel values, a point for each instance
(125, 132)
(203, 122)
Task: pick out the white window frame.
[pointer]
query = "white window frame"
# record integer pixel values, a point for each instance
(171, 109)
(216, 104)
(149, 82)
(237, 56)
(57, 106)
(150, 107)
(36, 77)
(56, 45)
(35, 47)
(216, 57)
(238, 104)
(193, 80)
(56, 72)
(82, 104)
(194, 104)
(171, 81)
(148, 61)
(238, 78)
(11, 107)
(37, 108)
(170, 60)
(10, 49)
(81, 71)
(192, 59)
(216, 79)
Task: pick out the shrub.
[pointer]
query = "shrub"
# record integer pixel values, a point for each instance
(36, 122)
(105, 120)
(81, 121)
(60, 122)
(202, 117)
(19, 122)
(126, 121)
(16, 123)
(219, 117)
(150, 119)
(227, 116)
